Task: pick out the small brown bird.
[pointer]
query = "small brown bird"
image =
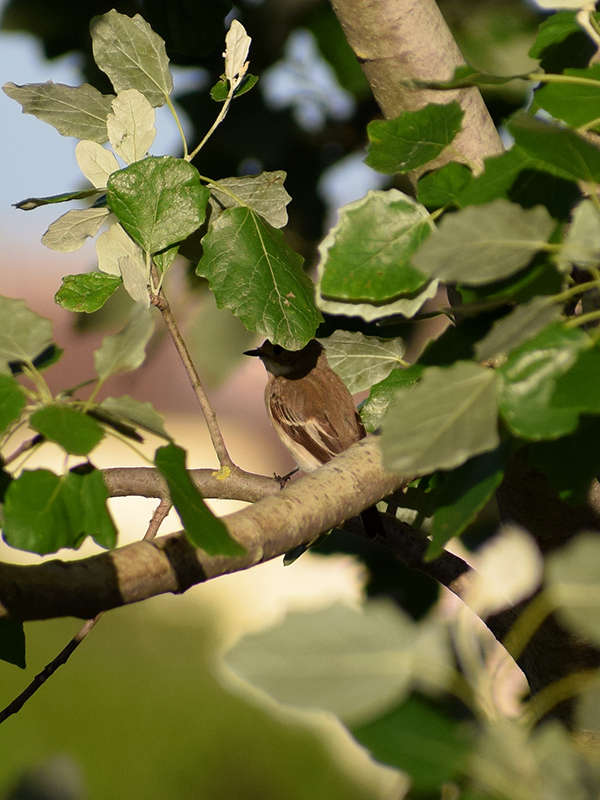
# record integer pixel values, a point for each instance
(311, 409)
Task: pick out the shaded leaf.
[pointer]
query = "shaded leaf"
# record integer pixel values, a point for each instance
(73, 430)
(557, 146)
(202, 527)
(159, 201)
(461, 496)
(443, 186)
(383, 393)
(421, 740)
(87, 292)
(572, 578)
(521, 324)
(574, 103)
(35, 202)
(255, 274)
(12, 401)
(12, 642)
(138, 413)
(361, 360)
(74, 111)
(412, 139)
(367, 256)
(132, 55)
(69, 232)
(126, 350)
(264, 193)
(483, 244)
(581, 245)
(23, 333)
(579, 388)
(405, 305)
(528, 380)
(93, 494)
(448, 417)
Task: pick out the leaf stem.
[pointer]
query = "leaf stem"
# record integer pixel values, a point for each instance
(220, 117)
(225, 460)
(179, 126)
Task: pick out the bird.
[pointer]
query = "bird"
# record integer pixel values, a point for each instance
(312, 410)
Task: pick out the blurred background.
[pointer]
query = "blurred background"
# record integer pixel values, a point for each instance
(139, 711)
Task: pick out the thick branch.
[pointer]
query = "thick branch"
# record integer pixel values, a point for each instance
(399, 41)
(270, 528)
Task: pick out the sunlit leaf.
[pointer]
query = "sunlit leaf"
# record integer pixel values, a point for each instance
(264, 193)
(360, 360)
(96, 162)
(74, 111)
(132, 55)
(73, 430)
(131, 125)
(87, 292)
(138, 413)
(69, 232)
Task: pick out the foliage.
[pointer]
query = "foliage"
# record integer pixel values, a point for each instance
(515, 374)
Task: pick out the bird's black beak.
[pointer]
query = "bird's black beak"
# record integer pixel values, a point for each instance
(252, 352)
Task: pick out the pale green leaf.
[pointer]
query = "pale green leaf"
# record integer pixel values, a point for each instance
(264, 193)
(132, 55)
(126, 350)
(406, 306)
(114, 244)
(23, 333)
(69, 232)
(135, 279)
(74, 111)
(96, 162)
(361, 360)
(581, 245)
(573, 583)
(449, 416)
(352, 663)
(484, 244)
(237, 46)
(131, 125)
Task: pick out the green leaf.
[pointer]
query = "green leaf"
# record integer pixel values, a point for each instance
(580, 450)
(559, 147)
(572, 578)
(74, 111)
(521, 324)
(159, 201)
(579, 388)
(528, 380)
(554, 30)
(414, 138)
(12, 642)
(23, 333)
(367, 255)
(35, 202)
(87, 292)
(354, 664)
(73, 430)
(573, 103)
(483, 244)
(443, 186)
(93, 494)
(421, 740)
(361, 360)
(461, 496)
(220, 90)
(138, 413)
(12, 401)
(405, 305)
(264, 193)
(96, 162)
(132, 55)
(126, 350)
(69, 232)
(448, 417)
(383, 394)
(255, 274)
(581, 245)
(202, 527)
(37, 514)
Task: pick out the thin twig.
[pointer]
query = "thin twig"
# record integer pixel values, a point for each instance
(216, 436)
(24, 447)
(40, 679)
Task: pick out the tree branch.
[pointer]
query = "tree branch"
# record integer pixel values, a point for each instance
(400, 41)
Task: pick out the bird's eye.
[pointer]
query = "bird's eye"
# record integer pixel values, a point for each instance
(277, 349)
